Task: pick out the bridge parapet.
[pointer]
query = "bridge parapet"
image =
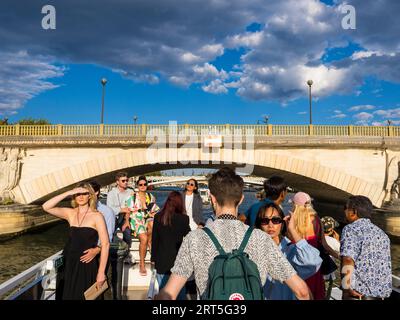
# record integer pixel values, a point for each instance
(185, 129)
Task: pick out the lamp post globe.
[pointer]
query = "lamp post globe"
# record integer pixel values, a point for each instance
(310, 83)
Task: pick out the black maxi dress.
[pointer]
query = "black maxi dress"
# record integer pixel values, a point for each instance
(79, 276)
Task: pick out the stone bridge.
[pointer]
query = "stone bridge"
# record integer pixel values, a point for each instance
(328, 162)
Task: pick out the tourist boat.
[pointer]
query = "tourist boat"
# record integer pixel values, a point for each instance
(39, 281)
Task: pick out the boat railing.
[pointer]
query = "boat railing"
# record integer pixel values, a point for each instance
(36, 283)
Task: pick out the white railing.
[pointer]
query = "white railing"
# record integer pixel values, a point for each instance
(43, 272)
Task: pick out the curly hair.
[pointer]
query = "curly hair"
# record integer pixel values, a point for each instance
(302, 218)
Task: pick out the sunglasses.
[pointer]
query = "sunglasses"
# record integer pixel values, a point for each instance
(81, 194)
(142, 184)
(274, 220)
(125, 180)
(190, 184)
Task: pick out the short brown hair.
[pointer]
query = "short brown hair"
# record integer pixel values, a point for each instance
(120, 175)
(226, 186)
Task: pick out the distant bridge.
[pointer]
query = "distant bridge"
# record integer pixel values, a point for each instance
(162, 180)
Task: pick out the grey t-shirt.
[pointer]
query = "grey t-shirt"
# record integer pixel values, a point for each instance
(116, 199)
(197, 252)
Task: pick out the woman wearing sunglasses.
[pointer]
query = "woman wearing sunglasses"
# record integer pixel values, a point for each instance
(193, 204)
(143, 207)
(303, 257)
(87, 225)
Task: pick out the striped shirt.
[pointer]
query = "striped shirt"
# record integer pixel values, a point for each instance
(197, 252)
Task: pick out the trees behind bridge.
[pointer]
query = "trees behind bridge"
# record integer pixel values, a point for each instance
(26, 121)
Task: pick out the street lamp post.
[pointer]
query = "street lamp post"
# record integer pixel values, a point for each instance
(103, 82)
(310, 82)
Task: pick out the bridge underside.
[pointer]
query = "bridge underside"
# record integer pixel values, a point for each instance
(328, 175)
(319, 191)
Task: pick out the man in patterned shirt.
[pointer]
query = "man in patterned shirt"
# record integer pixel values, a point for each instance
(365, 251)
(197, 251)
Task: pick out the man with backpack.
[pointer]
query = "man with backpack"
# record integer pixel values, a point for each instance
(230, 261)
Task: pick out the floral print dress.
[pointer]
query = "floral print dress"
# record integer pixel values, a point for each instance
(140, 217)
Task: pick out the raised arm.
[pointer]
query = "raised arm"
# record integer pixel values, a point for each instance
(50, 205)
(326, 246)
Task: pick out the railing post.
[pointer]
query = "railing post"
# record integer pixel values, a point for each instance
(17, 129)
(310, 130)
(350, 130)
(269, 132)
(144, 129)
(59, 129)
(390, 131)
(101, 129)
(227, 128)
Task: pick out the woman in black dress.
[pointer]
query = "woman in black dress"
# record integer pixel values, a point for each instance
(87, 225)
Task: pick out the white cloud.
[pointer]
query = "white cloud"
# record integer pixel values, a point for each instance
(212, 50)
(189, 57)
(361, 107)
(389, 113)
(338, 114)
(153, 40)
(363, 118)
(365, 54)
(248, 39)
(215, 86)
(22, 77)
(302, 112)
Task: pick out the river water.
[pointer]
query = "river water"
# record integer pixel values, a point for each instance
(18, 254)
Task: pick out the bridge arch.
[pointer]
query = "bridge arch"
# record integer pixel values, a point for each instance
(321, 181)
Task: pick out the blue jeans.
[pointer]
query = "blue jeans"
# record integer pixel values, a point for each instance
(162, 280)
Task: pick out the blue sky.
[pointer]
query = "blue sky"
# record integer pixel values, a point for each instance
(223, 62)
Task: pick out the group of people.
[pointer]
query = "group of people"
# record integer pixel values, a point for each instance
(93, 226)
(289, 249)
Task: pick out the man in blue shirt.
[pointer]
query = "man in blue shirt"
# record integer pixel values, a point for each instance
(365, 254)
(275, 192)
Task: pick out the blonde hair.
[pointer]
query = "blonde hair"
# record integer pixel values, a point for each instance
(302, 218)
(92, 196)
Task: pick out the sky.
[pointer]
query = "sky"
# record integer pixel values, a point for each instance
(201, 61)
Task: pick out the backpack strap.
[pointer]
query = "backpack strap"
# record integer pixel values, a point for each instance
(214, 240)
(245, 239)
